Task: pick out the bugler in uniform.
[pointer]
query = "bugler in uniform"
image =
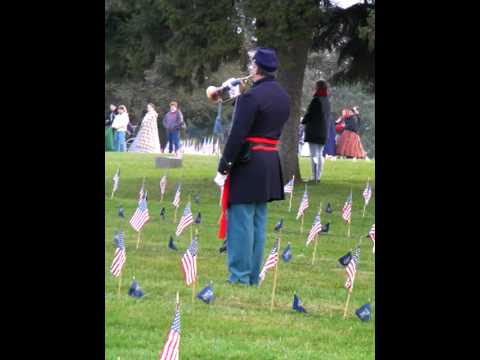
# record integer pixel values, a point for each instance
(250, 168)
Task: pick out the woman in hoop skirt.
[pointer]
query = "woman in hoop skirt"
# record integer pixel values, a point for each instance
(147, 140)
(349, 143)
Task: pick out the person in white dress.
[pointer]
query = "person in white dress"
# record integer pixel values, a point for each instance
(147, 140)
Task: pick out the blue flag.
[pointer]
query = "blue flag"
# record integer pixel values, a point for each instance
(345, 259)
(279, 225)
(121, 212)
(223, 248)
(206, 295)
(162, 213)
(325, 228)
(329, 209)
(171, 245)
(135, 290)
(198, 219)
(287, 253)
(297, 304)
(364, 313)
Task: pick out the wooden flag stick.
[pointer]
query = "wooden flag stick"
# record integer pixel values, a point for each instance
(175, 216)
(138, 238)
(161, 197)
(316, 237)
(275, 279)
(193, 291)
(111, 197)
(301, 226)
(348, 231)
(191, 225)
(291, 195)
(315, 249)
(346, 305)
(120, 283)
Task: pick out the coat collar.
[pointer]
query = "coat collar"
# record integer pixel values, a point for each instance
(264, 79)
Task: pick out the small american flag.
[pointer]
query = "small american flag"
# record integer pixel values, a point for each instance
(186, 219)
(288, 188)
(176, 200)
(163, 184)
(141, 216)
(272, 260)
(371, 234)
(367, 193)
(347, 209)
(316, 228)
(351, 269)
(116, 180)
(141, 193)
(189, 263)
(119, 257)
(303, 204)
(170, 349)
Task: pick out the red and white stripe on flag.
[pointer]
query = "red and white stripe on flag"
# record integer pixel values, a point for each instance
(189, 267)
(316, 228)
(119, 259)
(347, 212)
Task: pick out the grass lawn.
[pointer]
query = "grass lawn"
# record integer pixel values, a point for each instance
(239, 324)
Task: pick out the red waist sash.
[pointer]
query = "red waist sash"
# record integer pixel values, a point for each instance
(264, 144)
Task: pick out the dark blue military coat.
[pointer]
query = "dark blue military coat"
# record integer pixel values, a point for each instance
(261, 112)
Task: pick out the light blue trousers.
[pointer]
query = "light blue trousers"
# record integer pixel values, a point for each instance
(120, 141)
(245, 241)
(317, 159)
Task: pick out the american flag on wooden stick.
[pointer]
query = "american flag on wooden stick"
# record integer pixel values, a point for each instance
(347, 209)
(189, 262)
(316, 228)
(270, 263)
(176, 200)
(371, 235)
(116, 180)
(288, 188)
(303, 204)
(351, 269)
(119, 257)
(163, 184)
(141, 193)
(367, 193)
(141, 215)
(171, 347)
(185, 220)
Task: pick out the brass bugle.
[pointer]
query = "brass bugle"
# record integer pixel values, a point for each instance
(215, 93)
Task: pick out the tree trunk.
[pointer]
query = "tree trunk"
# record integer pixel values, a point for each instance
(291, 73)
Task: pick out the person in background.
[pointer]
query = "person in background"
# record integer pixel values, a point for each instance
(109, 143)
(120, 124)
(301, 137)
(330, 147)
(317, 121)
(146, 140)
(349, 143)
(173, 122)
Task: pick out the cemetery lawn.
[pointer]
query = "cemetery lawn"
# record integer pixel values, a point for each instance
(239, 324)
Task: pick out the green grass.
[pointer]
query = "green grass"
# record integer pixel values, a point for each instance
(239, 325)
